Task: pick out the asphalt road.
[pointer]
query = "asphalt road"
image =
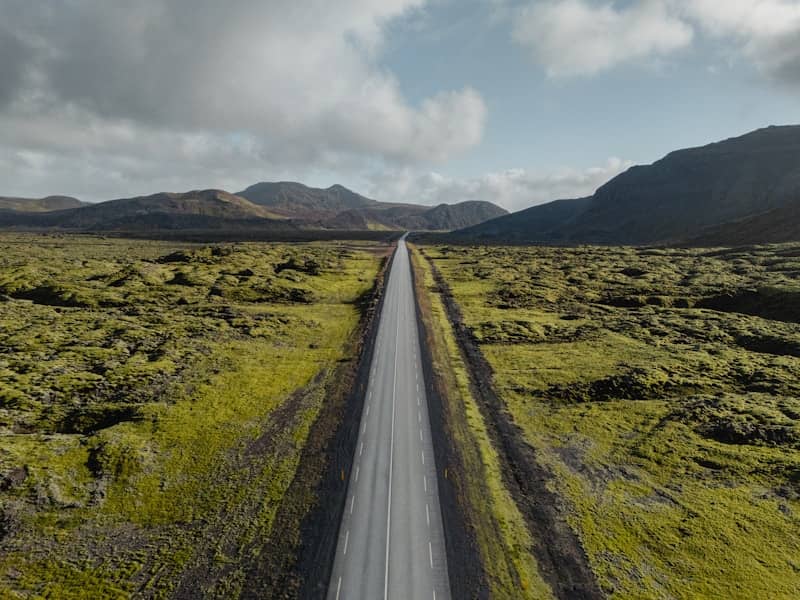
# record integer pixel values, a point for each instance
(391, 543)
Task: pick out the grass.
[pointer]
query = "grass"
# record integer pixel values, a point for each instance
(154, 402)
(503, 539)
(660, 387)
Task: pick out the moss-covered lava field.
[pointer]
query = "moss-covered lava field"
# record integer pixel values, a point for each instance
(660, 389)
(154, 401)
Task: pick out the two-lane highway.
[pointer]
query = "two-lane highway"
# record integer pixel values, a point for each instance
(391, 542)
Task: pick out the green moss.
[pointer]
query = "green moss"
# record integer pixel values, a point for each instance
(140, 416)
(662, 393)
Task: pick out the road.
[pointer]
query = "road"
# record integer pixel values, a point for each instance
(391, 542)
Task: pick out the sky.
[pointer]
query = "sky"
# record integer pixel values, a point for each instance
(517, 102)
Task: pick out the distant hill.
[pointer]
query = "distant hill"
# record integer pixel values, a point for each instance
(299, 201)
(270, 206)
(678, 198)
(192, 210)
(48, 204)
(337, 207)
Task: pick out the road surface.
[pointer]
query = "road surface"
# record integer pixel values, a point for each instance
(391, 542)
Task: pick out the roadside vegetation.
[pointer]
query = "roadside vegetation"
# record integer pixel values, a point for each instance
(503, 540)
(661, 390)
(154, 402)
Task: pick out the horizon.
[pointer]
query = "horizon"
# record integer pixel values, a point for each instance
(513, 102)
(453, 202)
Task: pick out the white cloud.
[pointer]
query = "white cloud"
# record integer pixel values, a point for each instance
(575, 37)
(514, 189)
(767, 32)
(280, 83)
(584, 37)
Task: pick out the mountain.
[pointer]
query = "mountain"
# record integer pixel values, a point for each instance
(675, 199)
(337, 207)
(48, 204)
(772, 227)
(444, 217)
(541, 222)
(296, 200)
(271, 206)
(201, 209)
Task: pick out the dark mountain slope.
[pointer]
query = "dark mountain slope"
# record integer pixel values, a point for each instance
(444, 217)
(48, 204)
(532, 224)
(676, 198)
(772, 227)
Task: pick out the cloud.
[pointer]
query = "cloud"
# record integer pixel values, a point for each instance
(585, 37)
(514, 189)
(575, 37)
(767, 32)
(278, 82)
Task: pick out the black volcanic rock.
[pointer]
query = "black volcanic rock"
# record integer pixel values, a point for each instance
(677, 198)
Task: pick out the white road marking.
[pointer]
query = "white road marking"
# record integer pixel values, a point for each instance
(352, 503)
(391, 467)
(364, 428)
(425, 482)
(427, 515)
(368, 409)
(357, 471)
(346, 539)
(338, 588)
(418, 404)
(430, 552)
(361, 449)
(423, 457)
(420, 435)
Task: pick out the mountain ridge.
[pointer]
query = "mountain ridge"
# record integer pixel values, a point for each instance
(674, 199)
(287, 205)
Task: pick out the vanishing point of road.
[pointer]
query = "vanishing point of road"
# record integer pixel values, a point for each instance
(391, 542)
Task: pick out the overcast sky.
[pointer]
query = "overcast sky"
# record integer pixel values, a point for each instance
(513, 101)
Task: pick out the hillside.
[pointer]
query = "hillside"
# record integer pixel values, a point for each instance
(444, 217)
(337, 207)
(192, 210)
(772, 227)
(270, 206)
(296, 200)
(676, 198)
(48, 204)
